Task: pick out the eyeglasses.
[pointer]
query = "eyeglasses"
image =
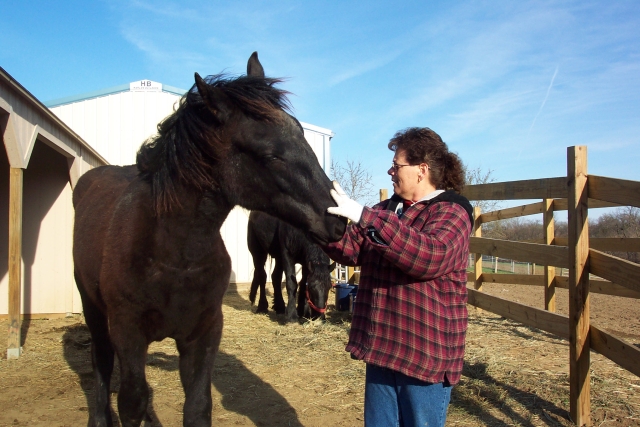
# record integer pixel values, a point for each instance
(395, 166)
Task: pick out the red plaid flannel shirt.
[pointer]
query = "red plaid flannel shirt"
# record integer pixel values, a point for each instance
(410, 313)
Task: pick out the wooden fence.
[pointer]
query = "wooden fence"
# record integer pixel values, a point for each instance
(576, 193)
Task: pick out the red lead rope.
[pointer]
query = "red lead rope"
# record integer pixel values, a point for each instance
(319, 310)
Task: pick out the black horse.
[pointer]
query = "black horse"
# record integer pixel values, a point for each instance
(289, 246)
(149, 259)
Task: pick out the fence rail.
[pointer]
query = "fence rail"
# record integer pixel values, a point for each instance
(580, 256)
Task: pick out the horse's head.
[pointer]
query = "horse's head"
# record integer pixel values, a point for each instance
(318, 287)
(267, 164)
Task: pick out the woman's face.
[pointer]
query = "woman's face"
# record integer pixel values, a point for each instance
(404, 176)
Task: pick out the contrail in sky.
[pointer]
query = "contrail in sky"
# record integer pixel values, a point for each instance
(544, 101)
(540, 109)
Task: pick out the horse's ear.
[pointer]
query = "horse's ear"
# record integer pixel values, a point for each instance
(254, 67)
(332, 266)
(213, 98)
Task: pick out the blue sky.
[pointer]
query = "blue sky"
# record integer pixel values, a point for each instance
(509, 85)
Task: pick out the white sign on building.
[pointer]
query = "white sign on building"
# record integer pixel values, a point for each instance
(145, 86)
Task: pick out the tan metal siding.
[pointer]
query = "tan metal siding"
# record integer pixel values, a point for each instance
(28, 127)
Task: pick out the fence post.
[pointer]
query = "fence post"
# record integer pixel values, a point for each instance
(477, 267)
(549, 271)
(579, 344)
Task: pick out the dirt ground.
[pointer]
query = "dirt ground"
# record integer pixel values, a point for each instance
(269, 373)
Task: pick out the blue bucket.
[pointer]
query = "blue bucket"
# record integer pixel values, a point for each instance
(343, 290)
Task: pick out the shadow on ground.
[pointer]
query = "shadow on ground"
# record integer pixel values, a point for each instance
(243, 392)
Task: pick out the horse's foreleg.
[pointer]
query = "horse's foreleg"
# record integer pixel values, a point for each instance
(102, 357)
(276, 281)
(302, 293)
(263, 302)
(131, 347)
(292, 289)
(196, 364)
(254, 287)
(258, 282)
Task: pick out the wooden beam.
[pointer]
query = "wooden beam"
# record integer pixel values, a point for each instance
(536, 208)
(545, 188)
(524, 210)
(15, 261)
(562, 204)
(579, 376)
(622, 191)
(611, 244)
(615, 244)
(620, 271)
(477, 257)
(12, 146)
(477, 232)
(549, 271)
(513, 279)
(531, 252)
(350, 275)
(556, 324)
(615, 349)
(603, 287)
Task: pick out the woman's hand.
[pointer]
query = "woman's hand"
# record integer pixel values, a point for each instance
(346, 207)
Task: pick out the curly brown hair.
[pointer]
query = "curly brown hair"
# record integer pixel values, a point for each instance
(422, 145)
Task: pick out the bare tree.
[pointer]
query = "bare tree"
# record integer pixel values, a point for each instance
(624, 222)
(355, 180)
(479, 176)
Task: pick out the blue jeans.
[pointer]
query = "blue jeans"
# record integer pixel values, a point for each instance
(392, 399)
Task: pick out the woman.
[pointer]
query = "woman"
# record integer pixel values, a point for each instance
(410, 318)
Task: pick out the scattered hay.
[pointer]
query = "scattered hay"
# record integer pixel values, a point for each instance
(270, 373)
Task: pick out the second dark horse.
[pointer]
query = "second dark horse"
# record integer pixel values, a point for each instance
(149, 259)
(288, 245)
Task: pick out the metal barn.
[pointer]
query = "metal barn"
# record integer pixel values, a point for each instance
(118, 120)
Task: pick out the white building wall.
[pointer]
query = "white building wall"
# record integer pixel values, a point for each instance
(115, 125)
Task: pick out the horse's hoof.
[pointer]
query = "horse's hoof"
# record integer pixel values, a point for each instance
(262, 309)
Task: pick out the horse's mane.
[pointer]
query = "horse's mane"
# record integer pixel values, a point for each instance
(188, 144)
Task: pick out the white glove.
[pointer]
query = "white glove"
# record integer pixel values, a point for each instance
(346, 207)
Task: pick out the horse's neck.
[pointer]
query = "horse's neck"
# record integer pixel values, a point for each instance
(207, 211)
(313, 253)
(190, 233)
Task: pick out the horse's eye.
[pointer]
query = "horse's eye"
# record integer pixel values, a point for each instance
(271, 158)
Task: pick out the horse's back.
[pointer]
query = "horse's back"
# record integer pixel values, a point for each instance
(103, 179)
(97, 192)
